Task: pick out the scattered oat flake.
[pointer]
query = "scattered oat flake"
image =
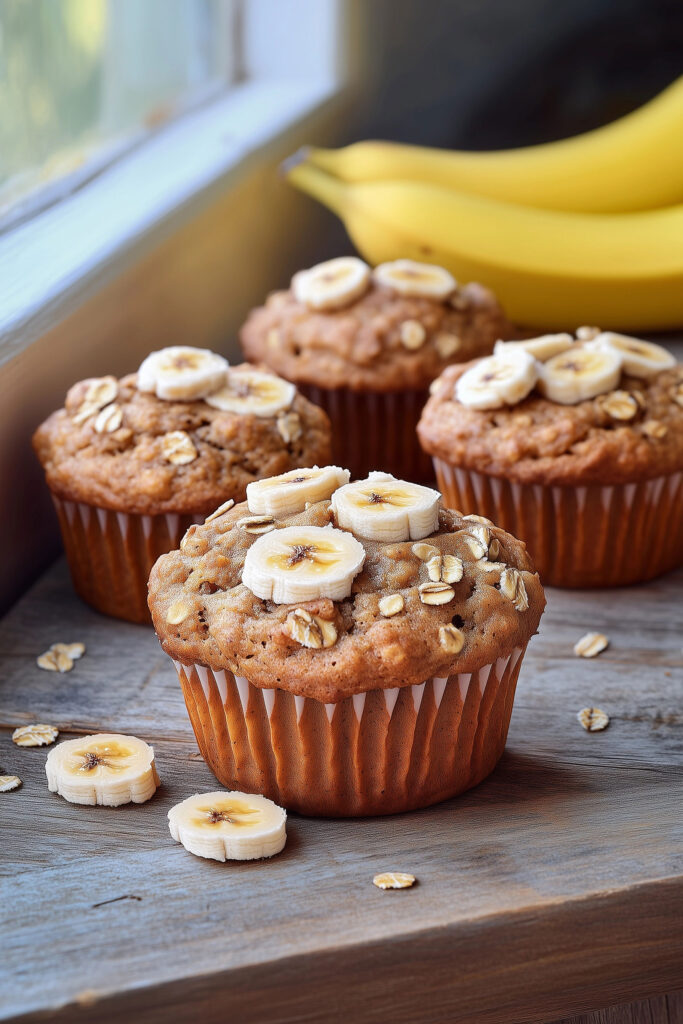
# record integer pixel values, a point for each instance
(393, 880)
(8, 782)
(61, 657)
(35, 735)
(593, 719)
(590, 645)
(48, 661)
(74, 651)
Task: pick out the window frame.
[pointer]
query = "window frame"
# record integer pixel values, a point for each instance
(131, 200)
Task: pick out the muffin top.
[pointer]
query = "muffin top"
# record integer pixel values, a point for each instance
(328, 589)
(183, 434)
(342, 325)
(602, 408)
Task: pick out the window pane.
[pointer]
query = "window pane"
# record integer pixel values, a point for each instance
(77, 75)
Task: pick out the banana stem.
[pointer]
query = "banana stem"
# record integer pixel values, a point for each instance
(328, 190)
(300, 157)
(325, 159)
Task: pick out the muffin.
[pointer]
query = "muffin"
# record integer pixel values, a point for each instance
(347, 649)
(365, 345)
(131, 463)
(575, 446)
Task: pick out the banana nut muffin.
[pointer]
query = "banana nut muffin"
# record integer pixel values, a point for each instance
(574, 445)
(367, 344)
(354, 654)
(132, 462)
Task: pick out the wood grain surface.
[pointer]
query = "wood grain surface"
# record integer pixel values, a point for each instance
(552, 890)
(659, 1010)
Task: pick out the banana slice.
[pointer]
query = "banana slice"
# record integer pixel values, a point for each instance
(502, 379)
(252, 391)
(333, 284)
(639, 358)
(182, 374)
(229, 826)
(302, 563)
(290, 492)
(544, 347)
(106, 768)
(580, 374)
(384, 508)
(416, 280)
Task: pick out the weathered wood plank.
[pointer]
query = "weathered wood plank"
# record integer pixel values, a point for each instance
(490, 970)
(553, 888)
(646, 1011)
(674, 1005)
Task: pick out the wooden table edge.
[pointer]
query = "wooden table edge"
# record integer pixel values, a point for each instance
(601, 949)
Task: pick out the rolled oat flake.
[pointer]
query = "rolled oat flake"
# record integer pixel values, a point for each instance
(394, 880)
(593, 719)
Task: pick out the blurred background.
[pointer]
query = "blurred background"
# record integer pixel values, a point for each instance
(80, 80)
(140, 201)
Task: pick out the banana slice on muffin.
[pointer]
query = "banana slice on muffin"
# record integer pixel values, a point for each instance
(288, 493)
(384, 508)
(579, 374)
(502, 379)
(181, 373)
(544, 347)
(302, 563)
(639, 358)
(252, 391)
(333, 284)
(416, 280)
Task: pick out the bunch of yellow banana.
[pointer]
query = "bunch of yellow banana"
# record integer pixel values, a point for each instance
(587, 230)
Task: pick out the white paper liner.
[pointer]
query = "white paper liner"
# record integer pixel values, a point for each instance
(376, 752)
(111, 554)
(375, 430)
(583, 536)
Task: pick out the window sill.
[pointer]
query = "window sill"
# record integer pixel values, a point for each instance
(137, 202)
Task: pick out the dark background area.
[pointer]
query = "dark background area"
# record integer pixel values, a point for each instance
(489, 74)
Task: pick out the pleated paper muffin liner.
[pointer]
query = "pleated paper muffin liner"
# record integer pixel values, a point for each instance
(375, 430)
(111, 554)
(377, 752)
(589, 536)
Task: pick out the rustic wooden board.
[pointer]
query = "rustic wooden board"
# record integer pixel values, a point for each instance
(660, 1010)
(553, 889)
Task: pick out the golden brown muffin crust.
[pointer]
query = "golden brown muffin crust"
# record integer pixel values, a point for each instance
(127, 471)
(227, 627)
(539, 441)
(360, 346)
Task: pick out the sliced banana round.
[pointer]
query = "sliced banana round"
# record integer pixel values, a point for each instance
(384, 508)
(544, 347)
(639, 358)
(182, 374)
(502, 379)
(416, 280)
(107, 768)
(229, 826)
(252, 391)
(579, 374)
(288, 493)
(303, 563)
(333, 284)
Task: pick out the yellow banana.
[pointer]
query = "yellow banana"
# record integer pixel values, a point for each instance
(549, 269)
(635, 163)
